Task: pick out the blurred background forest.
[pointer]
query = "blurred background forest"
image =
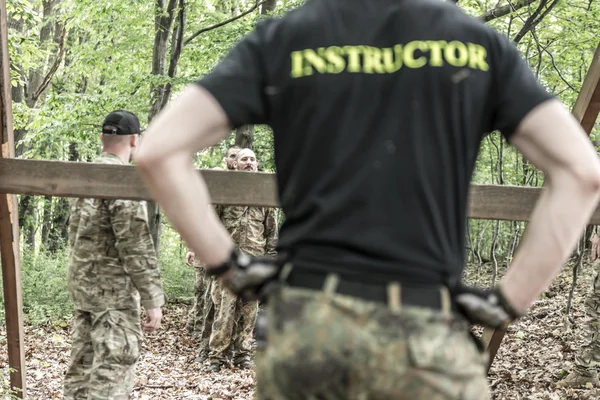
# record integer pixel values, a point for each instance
(73, 61)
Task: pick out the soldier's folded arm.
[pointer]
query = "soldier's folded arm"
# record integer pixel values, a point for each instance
(136, 249)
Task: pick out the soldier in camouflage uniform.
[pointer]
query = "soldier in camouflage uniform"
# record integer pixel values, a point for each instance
(201, 315)
(254, 230)
(112, 269)
(587, 358)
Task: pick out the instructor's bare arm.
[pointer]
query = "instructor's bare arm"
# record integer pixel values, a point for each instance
(194, 121)
(550, 137)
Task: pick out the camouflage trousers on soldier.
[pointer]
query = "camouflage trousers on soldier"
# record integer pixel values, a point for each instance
(233, 326)
(588, 356)
(200, 318)
(105, 347)
(332, 346)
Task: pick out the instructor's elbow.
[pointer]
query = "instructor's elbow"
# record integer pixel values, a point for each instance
(590, 181)
(587, 177)
(150, 158)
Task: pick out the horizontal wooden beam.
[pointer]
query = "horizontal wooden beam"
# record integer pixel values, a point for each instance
(111, 181)
(72, 179)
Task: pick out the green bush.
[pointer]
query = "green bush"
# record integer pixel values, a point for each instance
(178, 278)
(44, 283)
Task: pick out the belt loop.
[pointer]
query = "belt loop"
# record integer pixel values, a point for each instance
(330, 284)
(445, 301)
(285, 271)
(394, 299)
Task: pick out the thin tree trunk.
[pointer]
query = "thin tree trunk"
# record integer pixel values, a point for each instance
(575, 273)
(46, 220)
(493, 253)
(479, 242)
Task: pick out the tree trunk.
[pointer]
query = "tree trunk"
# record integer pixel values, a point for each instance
(59, 233)
(169, 21)
(36, 81)
(27, 219)
(46, 220)
(244, 137)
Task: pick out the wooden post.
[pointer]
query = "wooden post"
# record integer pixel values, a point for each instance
(585, 110)
(9, 229)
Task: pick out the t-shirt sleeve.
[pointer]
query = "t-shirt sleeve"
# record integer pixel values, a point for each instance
(516, 89)
(237, 82)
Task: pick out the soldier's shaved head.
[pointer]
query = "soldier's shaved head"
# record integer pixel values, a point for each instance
(245, 160)
(230, 156)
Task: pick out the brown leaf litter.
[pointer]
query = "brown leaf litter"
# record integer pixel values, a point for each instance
(534, 354)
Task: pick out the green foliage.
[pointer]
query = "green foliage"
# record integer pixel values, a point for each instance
(44, 282)
(178, 278)
(108, 65)
(6, 392)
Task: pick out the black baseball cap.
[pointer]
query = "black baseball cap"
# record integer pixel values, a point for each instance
(121, 122)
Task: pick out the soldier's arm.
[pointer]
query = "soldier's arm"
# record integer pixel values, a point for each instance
(136, 249)
(270, 231)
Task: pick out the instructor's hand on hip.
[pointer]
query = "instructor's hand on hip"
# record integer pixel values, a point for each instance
(249, 277)
(486, 307)
(153, 318)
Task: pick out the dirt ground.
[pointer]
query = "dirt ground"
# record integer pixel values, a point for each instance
(535, 353)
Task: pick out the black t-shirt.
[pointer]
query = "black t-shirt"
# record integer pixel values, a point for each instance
(378, 108)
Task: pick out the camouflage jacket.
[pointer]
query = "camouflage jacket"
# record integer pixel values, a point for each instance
(112, 263)
(253, 229)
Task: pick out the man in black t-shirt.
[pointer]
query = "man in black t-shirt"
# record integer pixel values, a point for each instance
(378, 108)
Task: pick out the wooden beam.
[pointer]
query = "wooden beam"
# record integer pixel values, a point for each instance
(491, 339)
(109, 181)
(587, 105)
(9, 229)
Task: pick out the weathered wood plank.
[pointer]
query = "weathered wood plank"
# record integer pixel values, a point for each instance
(9, 229)
(71, 179)
(492, 338)
(587, 105)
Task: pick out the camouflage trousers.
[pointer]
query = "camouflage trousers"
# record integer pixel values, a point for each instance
(233, 326)
(588, 356)
(322, 346)
(105, 347)
(200, 318)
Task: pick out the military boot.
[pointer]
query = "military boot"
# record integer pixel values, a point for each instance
(575, 380)
(244, 363)
(215, 366)
(202, 356)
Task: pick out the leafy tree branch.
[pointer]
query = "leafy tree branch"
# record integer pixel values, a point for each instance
(501, 11)
(227, 21)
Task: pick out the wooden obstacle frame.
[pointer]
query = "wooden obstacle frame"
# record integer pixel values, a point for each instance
(72, 179)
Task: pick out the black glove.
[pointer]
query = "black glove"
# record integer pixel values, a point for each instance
(251, 277)
(486, 307)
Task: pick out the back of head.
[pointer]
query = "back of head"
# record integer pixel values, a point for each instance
(121, 122)
(120, 131)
